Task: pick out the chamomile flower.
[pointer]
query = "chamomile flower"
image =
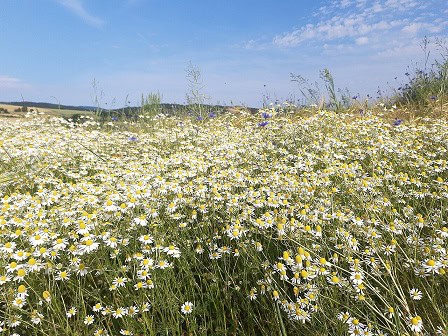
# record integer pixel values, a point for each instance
(36, 317)
(390, 312)
(100, 332)
(20, 274)
(344, 316)
(46, 296)
(60, 244)
(431, 266)
(172, 250)
(62, 275)
(19, 302)
(187, 308)
(4, 279)
(71, 312)
(132, 311)
(119, 312)
(415, 294)
(140, 285)
(252, 294)
(8, 247)
(22, 291)
(37, 239)
(162, 264)
(97, 307)
(416, 324)
(119, 282)
(89, 319)
(20, 255)
(146, 239)
(88, 245)
(145, 306)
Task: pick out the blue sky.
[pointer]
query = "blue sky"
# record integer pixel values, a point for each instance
(53, 50)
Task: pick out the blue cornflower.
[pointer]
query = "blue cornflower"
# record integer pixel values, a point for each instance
(133, 138)
(263, 123)
(212, 115)
(266, 115)
(433, 97)
(199, 118)
(397, 122)
(114, 118)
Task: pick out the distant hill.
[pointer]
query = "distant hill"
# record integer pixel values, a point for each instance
(69, 110)
(50, 106)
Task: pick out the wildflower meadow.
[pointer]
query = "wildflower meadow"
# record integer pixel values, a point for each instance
(267, 223)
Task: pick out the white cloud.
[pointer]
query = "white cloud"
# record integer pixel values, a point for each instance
(362, 40)
(7, 82)
(377, 8)
(337, 27)
(400, 51)
(77, 7)
(401, 5)
(345, 3)
(362, 21)
(415, 27)
(251, 45)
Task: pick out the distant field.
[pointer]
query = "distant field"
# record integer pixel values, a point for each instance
(47, 111)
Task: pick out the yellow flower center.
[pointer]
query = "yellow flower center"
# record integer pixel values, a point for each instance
(415, 320)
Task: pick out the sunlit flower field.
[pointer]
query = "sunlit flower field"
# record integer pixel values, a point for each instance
(239, 224)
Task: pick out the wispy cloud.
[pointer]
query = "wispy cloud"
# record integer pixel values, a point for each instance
(415, 27)
(361, 21)
(255, 45)
(362, 40)
(77, 7)
(8, 82)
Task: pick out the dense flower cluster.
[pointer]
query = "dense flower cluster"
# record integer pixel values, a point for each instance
(345, 216)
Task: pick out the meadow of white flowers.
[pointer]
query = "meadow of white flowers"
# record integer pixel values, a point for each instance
(330, 224)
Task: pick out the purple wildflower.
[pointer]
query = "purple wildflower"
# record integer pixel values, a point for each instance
(265, 115)
(397, 122)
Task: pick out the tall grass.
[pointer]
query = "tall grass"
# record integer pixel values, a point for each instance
(427, 88)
